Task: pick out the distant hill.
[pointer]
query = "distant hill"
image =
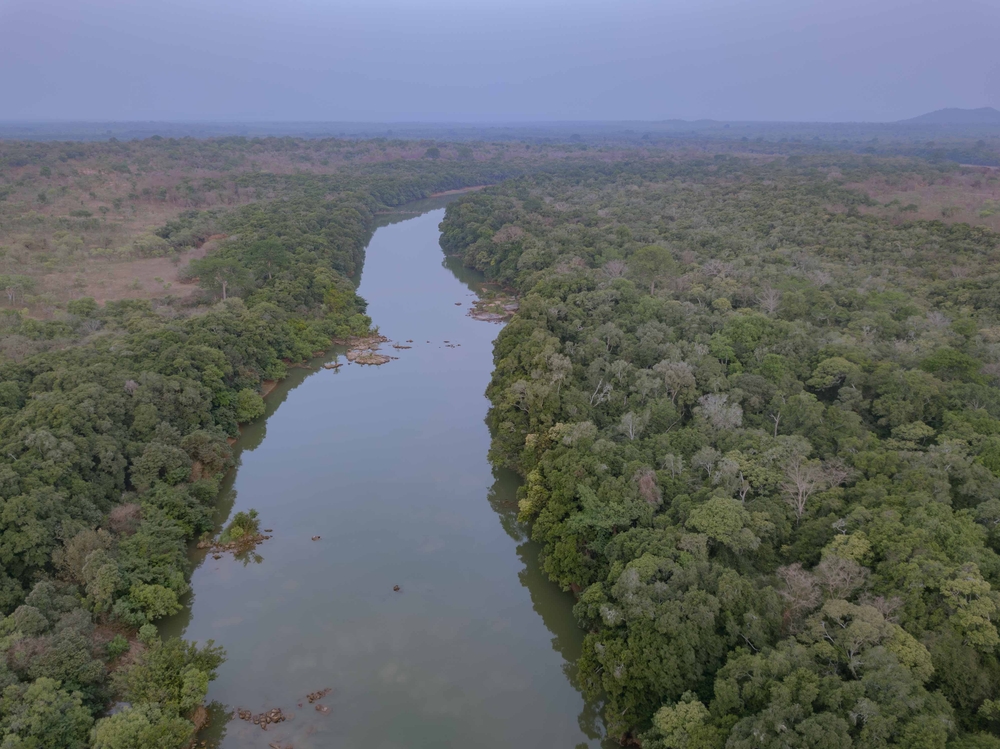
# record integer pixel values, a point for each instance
(955, 116)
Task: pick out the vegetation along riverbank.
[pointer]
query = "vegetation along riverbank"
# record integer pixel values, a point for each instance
(757, 416)
(116, 419)
(753, 399)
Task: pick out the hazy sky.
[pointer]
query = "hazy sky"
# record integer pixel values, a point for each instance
(490, 60)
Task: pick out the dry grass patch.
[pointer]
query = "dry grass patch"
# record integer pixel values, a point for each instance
(971, 195)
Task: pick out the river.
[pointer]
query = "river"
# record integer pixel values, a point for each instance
(388, 466)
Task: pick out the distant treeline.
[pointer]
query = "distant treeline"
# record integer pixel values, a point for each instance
(962, 143)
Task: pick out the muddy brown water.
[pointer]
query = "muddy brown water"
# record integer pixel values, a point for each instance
(388, 465)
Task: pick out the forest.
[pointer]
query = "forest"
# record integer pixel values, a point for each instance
(757, 417)
(84, 220)
(117, 419)
(752, 397)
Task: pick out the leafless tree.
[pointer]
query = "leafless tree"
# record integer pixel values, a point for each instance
(17, 347)
(124, 519)
(800, 591)
(743, 488)
(937, 319)
(802, 479)
(601, 393)
(705, 459)
(776, 418)
(648, 489)
(560, 368)
(90, 325)
(633, 424)
(992, 370)
(769, 299)
(822, 277)
(672, 463)
(887, 607)
(508, 233)
(840, 577)
(717, 411)
(837, 472)
(717, 268)
(615, 268)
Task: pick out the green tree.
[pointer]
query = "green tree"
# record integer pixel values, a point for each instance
(41, 715)
(266, 256)
(685, 725)
(173, 674)
(651, 264)
(725, 521)
(155, 601)
(220, 274)
(142, 727)
(249, 405)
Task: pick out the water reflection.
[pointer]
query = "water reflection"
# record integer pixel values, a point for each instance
(553, 606)
(388, 466)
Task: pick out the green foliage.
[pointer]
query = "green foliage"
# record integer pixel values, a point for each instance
(173, 675)
(148, 634)
(155, 601)
(243, 525)
(112, 445)
(221, 275)
(651, 263)
(42, 715)
(772, 482)
(118, 646)
(759, 428)
(142, 727)
(249, 405)
(725, 521)
(683, 726)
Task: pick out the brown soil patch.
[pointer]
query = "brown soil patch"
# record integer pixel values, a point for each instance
(199, 717)
(971, 195)
(148, 278)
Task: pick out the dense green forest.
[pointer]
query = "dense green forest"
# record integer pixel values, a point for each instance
(112, 454)
(755, 408)
(759, 425)
(115, 430)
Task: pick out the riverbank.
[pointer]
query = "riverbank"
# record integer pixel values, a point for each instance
(459, 191)
(387, 465)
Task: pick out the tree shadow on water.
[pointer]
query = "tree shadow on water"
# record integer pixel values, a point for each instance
(553, 605)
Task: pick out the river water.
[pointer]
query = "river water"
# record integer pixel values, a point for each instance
(388, 466)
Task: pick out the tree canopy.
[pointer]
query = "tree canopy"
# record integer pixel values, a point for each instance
(758, 431)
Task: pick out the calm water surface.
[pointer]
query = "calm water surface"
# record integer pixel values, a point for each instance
(388, 465)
